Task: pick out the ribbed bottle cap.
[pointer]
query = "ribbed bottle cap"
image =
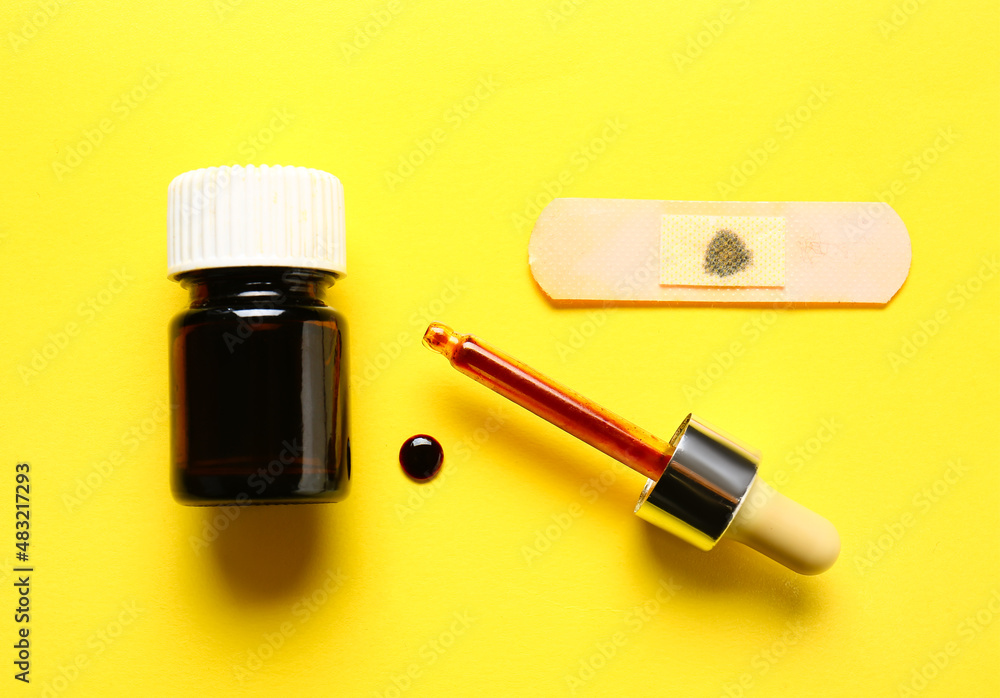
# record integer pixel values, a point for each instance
(255, 216)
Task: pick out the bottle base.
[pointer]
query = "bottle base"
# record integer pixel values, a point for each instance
(237, 490)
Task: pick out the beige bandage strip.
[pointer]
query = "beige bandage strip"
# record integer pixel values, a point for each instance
(719, 251)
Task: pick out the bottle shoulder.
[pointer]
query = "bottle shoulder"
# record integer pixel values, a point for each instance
(258, 313)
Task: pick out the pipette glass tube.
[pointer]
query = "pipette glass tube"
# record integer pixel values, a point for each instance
(604, 430)
(700, 485)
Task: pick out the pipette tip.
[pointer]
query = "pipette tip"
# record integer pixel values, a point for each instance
(438, 336)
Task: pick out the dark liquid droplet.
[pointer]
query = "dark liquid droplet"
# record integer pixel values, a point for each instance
(421, 457)
(726, 254)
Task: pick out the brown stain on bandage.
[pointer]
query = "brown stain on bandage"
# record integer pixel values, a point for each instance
(727, 254)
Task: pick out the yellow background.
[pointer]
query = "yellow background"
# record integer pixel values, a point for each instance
(896, 444)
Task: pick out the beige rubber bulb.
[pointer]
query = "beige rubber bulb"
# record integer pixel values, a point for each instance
(784, 530)
(711, 490)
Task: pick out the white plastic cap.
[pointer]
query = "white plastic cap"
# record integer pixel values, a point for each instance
(255, 216)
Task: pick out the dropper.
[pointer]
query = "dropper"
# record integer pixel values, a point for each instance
(701, 483)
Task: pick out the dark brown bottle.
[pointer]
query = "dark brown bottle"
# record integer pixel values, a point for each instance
(258, 362)
(259, 388)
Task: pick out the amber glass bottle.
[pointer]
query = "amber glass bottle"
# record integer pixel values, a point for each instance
(258, 372)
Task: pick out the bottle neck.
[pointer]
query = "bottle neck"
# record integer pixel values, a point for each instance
(256, 286)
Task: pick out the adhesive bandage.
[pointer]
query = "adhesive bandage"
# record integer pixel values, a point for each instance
(719, 252)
